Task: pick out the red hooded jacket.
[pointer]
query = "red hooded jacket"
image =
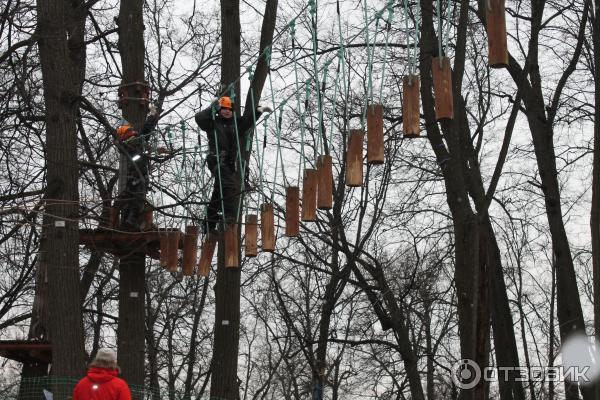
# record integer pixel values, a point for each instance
(101, 384)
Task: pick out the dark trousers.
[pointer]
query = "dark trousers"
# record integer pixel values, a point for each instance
(133, 198)
(230, 184)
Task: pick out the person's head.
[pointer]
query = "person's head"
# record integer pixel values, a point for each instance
(105, 358)
(225, 107)
(125, 131)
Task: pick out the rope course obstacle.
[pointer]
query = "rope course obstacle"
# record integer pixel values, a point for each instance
(311, 188)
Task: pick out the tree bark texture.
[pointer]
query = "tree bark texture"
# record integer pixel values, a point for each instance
(466, 226)
(569, 311)
(130, 331)
(224, 380)
(62, 54)
(478, 274)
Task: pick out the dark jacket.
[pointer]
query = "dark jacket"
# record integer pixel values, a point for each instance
(210, 121)
(101, 384)
(149, 125)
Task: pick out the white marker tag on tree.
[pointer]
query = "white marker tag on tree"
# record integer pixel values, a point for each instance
(225, 322)
(59, 224)
(133, 294)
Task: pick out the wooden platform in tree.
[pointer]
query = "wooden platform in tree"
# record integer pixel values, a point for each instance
(123, 243)
(26, 351)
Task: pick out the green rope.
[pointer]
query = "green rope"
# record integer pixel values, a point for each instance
(262, 158)
(440, 31)
(417, 35)
(277, 128)
(187, 181)
(303, 126)
(322, 143)
(279, 34)
(277, 154)
(390, 7)
(239, 152)
(409, 53)
(313, 12)
(333, 108)
(301, 161)
(342, 57)
(370, 56)
(213, 112)
(253, 132)
(350, 40)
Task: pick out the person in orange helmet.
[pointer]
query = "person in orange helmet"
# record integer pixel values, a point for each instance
(130, 142)
(218, 122)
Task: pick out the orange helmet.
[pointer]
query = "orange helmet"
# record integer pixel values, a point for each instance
(125, 131)
(225, 102)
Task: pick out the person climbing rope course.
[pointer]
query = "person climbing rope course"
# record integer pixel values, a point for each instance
(221, 126)
(132, 144)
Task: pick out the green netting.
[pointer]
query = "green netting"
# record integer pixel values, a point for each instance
(62, 389)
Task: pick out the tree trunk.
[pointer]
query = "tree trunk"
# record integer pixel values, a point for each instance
(38, 327)
(224, 380)
(130, 330)
(570, 315)
(62, 55)
(453, 164)
(507, 354)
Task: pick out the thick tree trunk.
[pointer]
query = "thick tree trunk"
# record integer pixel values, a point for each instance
(570, 315)
(130, 331)
(224, 380)
(507, 354)
(466, 226)
(62, 55)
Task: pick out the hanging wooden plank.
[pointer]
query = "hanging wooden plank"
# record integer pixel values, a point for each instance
(442, 88)
(496, 30)
(411, 106)
(354, 158)
(190, 249)
(375, 134)
(232, 251)
(292, 208)
(164, 248)
(251, 235)
(309, 195)
(173, 249)
(325, 190)
(267, 227)
(206, 255)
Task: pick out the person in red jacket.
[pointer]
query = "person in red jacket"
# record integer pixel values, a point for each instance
(101, 382)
